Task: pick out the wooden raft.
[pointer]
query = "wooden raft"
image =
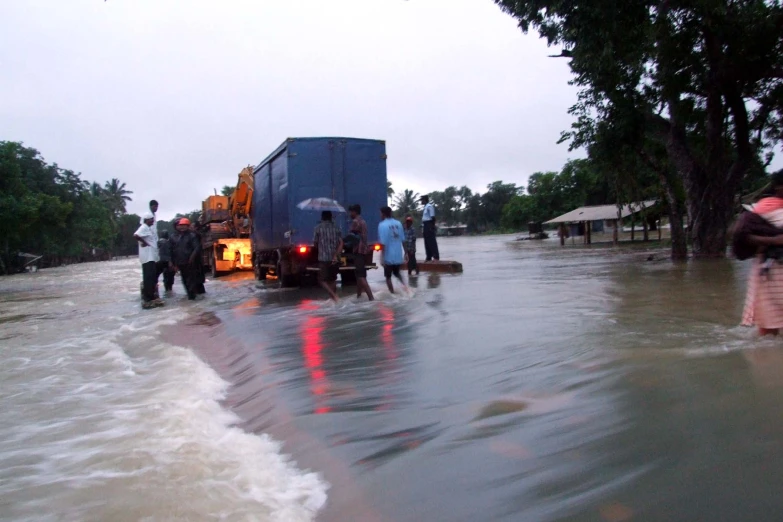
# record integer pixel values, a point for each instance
(450, 267)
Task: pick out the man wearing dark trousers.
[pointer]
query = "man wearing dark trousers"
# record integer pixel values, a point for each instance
(428, 220)
(184, 249)
(165, 259)
(410, 246)
(148, 256)
(360, 250)
(329, 242)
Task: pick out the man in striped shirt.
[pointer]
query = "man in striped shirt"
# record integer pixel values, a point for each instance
(329, 242)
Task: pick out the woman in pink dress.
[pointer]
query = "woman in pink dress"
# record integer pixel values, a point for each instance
(764, 301)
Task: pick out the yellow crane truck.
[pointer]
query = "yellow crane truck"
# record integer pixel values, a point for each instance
(225, 227)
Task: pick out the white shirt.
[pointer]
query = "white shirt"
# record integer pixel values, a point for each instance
(429, 212)
(150, 235)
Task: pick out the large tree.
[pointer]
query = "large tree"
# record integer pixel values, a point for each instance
(48, 210)
(705, 79)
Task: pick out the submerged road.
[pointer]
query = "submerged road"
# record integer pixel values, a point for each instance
(541, 384)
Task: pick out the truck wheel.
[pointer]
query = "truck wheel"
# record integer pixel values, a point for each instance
(347, 278)
(212, 266)
(259, 272)
(286, 280)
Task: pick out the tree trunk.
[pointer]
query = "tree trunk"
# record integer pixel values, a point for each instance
(679, 240)
(709, 223)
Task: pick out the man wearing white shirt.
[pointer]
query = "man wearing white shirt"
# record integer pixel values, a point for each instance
(147, 237)
(428, 221)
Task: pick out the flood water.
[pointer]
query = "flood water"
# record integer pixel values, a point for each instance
(541, 384)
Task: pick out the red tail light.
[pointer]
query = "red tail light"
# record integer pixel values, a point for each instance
(303, 249)
(377, 248)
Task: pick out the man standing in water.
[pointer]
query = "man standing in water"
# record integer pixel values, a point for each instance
(410, 246)
(165, 259)
(183, 249)
(428, 220)
(147, 237)
(390, 234)
(359, 227)
(328, 240)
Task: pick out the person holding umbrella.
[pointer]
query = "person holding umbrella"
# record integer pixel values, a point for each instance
(329, 242)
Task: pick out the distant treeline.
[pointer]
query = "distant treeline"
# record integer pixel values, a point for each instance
(508, 207)
(50, 211)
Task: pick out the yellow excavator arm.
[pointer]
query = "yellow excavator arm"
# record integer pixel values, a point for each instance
(241, 202)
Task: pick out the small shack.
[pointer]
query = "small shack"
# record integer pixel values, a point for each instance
(584, 220)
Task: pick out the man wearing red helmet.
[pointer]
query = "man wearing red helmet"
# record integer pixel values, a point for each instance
(183, 252)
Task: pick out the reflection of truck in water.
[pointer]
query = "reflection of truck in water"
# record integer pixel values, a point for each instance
(348, 170)
(225, 228)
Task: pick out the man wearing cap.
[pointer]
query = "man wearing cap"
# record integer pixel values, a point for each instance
(147, 237)
(428, 220)
(183, 251)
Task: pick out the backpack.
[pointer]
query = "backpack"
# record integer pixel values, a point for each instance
(351, 241)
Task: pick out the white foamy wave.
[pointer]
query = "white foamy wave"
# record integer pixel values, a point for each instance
(103, 421)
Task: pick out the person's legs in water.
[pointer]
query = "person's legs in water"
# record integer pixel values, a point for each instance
(200, 279)
(327, 278)
(430, 241)
(168, 278)
(412, 264)
(149, 273)
(393, 270)
(186, 273)
(396, 272)
(361, 277)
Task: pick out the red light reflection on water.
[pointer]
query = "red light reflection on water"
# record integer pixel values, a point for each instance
(312, 346)
(390, 351)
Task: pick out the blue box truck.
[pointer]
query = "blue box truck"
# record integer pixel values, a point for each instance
(348, 170)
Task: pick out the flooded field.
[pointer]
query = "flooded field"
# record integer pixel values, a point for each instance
(542, 384)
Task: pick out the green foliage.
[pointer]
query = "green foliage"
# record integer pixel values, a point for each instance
(389, 190)
(406, 203)
(227, 190)
(51, 211)
(550, 194)
(693, 88)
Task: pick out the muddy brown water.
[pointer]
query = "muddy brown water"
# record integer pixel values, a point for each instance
(541, 384)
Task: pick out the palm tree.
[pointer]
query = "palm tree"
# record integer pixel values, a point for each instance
(96, 190)
(116, 195)
(389, 190)
(406, 202)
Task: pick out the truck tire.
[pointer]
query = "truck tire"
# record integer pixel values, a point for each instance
(286, 280)
(213, 266)
(260, 272)
(347, 277)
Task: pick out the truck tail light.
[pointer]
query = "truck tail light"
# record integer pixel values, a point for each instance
(377, 248)
(302, 249)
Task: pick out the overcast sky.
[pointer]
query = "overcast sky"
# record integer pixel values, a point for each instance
(176, 97)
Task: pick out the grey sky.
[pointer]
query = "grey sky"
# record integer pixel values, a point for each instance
(175, 97)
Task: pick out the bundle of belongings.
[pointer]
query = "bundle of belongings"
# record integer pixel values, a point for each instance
(756, 222)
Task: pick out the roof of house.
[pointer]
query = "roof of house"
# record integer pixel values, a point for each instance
(600, 212)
